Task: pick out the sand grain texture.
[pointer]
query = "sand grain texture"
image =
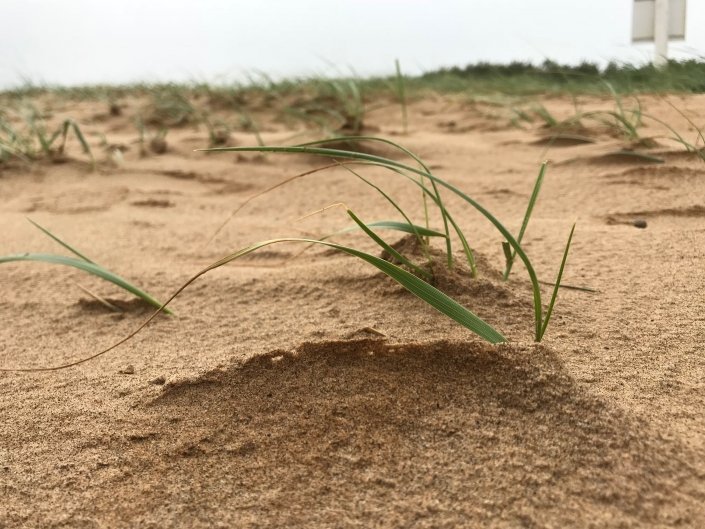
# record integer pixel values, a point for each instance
(319, 393)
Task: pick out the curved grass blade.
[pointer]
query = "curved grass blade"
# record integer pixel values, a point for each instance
(463, 241)
(89, 267)
(62, 243)
(81, 138)
(701, 136)
(628, 128)
(395, 225)
(677, 137)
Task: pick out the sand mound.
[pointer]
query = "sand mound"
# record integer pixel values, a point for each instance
(432, 434)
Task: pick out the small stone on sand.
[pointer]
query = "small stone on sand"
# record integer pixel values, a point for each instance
(639, 223)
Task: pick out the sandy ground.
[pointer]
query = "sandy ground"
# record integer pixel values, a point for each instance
(320, 393)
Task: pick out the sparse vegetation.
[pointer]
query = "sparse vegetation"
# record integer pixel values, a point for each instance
(337, 108)
(30, 140)
(401, 96)
(541, 316)
(81, 262)
(170, 106)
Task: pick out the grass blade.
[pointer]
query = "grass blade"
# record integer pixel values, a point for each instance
(401, 95)
(86, 266)
(527, 216)
(393, 225)
(62, 243)
(386, 247)
(557, 285)
(81, 138)
(381, 224)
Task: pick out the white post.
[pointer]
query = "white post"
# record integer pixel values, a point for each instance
(661, 33)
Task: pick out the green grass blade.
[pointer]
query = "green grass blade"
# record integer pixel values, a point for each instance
(401, 95)
(527, 216)
(64, 131)
(677, 137)
(396, 226)
(448, 218)
(557, 285)
(615, 96)
(463, 240)
(386, 247)
(86, 266)
(507, 249)
(43, 142)
(627, 128)
(5, 148)
(81, 138)
(62, 243)
(548, 119)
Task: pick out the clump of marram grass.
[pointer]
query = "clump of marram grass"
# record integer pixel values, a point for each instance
(429, 184)
(620, 122)
(155, 141)
(170, 106)
(218, 130)
(337, 107)
(34, 141)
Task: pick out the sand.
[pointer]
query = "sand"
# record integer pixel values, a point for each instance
(315, 392)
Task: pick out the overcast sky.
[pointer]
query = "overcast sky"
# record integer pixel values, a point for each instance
(121, 41)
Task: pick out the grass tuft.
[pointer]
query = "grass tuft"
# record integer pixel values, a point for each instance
(540, 321)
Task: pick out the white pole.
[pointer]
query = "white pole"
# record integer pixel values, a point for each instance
(661, 33)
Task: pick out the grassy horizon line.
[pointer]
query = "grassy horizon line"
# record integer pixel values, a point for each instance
(515, 77)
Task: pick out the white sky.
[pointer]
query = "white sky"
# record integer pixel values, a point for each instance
(120, 41)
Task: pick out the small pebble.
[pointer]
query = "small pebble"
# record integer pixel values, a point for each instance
(639, 223)
(159, 381)
(127, 370)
